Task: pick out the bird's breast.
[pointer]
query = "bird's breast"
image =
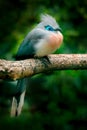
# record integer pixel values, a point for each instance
(55, 40)
(49, 44)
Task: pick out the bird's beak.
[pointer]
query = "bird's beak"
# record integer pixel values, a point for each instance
(58, 30)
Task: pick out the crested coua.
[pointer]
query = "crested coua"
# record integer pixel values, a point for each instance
(44, 39)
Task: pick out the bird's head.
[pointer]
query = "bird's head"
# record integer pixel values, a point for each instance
(52, 31)
(49, 23)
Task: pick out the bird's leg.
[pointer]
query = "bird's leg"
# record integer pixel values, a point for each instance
(46, 59)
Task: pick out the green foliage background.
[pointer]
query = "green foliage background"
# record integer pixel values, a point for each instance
(57, 100)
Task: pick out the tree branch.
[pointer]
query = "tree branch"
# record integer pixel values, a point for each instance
(13, 70)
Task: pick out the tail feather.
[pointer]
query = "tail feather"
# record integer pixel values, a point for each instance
(18, 99)
(13, 107)
(16, 107)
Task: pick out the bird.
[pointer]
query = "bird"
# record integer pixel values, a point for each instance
(41, 41)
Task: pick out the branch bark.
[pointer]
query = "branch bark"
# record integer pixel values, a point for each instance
(13, 70)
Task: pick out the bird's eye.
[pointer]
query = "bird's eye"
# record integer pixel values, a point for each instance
(49, 28)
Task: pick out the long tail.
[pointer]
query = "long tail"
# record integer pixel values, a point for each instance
(16, 107)
(18, 99)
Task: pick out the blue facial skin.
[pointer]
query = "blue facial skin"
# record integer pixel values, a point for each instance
(49, 28)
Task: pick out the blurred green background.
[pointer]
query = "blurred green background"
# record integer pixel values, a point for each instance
(57, 100)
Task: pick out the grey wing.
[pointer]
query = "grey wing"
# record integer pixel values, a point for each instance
(27, 49)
